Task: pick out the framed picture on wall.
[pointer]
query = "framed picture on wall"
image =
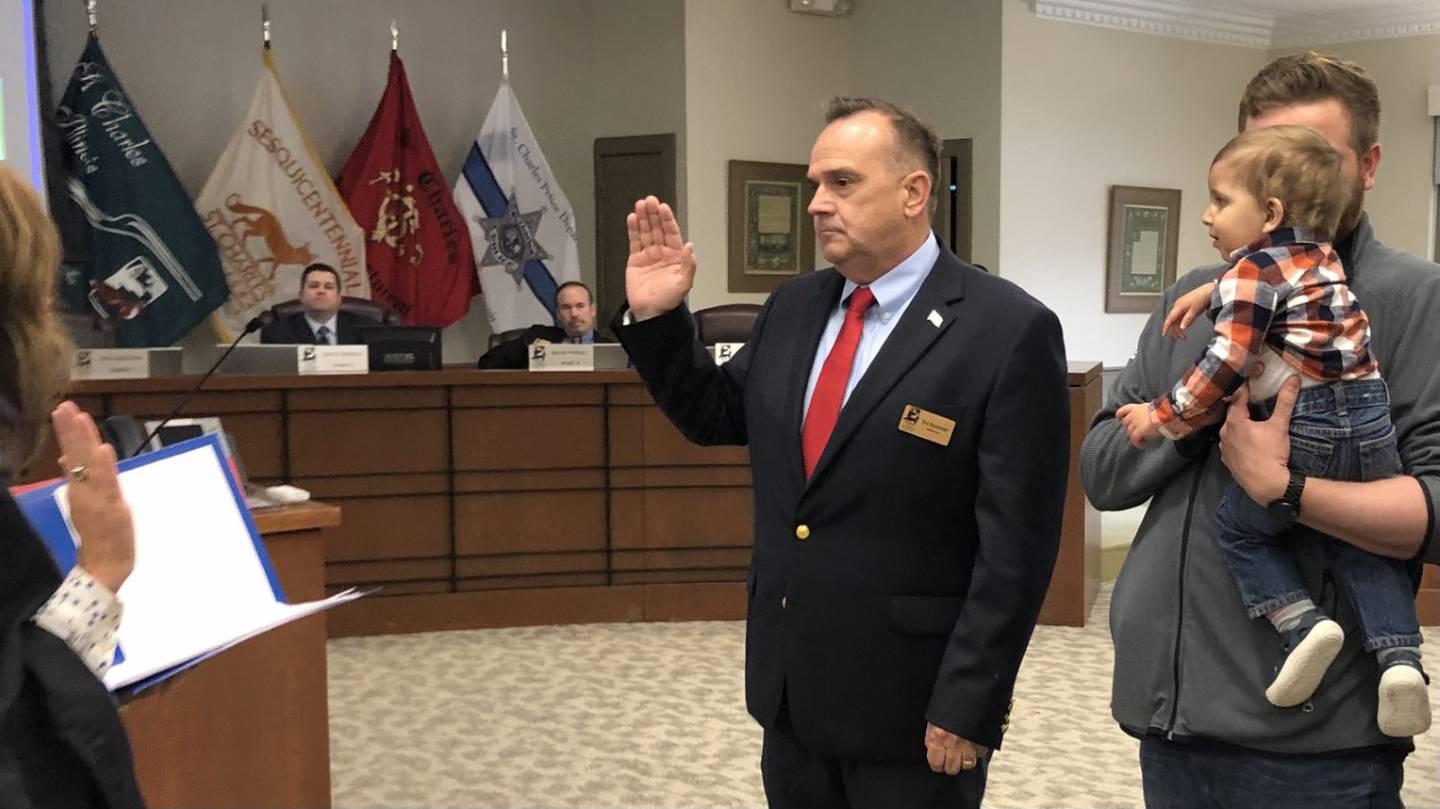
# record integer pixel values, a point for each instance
(1143, 245)
(771, 237)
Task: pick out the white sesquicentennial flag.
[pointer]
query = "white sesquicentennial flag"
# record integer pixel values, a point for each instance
(273, 211)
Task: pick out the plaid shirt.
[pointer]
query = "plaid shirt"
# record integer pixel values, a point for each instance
(1285, 291)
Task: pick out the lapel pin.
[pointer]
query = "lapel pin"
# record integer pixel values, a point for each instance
(935, 319)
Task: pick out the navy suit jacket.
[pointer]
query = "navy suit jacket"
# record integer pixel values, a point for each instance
(912, 590)
(296, 329)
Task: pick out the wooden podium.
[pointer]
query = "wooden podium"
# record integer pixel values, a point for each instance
(1076, 580)
(250, 726)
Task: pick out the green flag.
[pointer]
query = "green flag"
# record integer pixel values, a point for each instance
(153, 271)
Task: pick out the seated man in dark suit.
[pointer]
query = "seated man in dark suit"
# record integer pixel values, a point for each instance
(322, 322)
(574, 308)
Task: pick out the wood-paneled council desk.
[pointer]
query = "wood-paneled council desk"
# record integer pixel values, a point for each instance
(498, 498)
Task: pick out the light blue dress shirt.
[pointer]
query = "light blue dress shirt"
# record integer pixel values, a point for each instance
(330, 324)
(585, 339)
(893, 292)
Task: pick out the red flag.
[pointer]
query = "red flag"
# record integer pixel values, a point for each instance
(416, 244)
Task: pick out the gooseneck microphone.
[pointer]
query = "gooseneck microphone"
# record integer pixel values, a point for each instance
(253, 326)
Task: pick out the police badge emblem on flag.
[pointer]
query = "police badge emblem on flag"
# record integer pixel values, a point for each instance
(520, 222)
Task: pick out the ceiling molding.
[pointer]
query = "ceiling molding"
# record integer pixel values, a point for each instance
(1261, 26)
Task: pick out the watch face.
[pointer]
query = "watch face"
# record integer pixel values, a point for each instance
(1283, 511)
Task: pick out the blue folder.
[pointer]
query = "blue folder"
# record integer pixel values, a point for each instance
(43, 512)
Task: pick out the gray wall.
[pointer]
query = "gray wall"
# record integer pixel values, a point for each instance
(941, 58)
(756, 77)
(1086, 108)
(1400, 204)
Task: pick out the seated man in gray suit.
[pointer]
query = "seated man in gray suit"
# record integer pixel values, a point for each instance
(322, 322)
(574, 308)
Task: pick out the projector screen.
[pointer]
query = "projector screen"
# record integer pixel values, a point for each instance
(20, 145)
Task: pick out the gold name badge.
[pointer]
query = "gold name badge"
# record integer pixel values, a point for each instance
(932, 427)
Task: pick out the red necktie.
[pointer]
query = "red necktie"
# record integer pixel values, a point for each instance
(834, 377)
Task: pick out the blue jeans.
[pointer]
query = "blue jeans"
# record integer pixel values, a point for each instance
(1177, 775)
(1340, 431)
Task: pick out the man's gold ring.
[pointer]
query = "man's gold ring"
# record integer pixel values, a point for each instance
(79, 474)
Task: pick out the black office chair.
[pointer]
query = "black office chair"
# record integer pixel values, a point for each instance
(726, 323)
(125, 433)
(507, 335)
(361, 307)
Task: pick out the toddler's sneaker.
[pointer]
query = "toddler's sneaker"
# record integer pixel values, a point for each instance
(1309, 650)
(1404, 699)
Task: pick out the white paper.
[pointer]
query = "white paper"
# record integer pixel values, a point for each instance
(1145, 256)
(199, 584)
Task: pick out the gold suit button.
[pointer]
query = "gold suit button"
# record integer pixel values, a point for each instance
(802, 532)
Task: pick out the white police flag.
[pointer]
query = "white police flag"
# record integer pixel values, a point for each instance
(521, 224)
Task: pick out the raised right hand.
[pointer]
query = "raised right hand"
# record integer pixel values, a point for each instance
(97, 508)
(661, 268)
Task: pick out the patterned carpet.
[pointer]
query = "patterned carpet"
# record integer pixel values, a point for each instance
(652, 715)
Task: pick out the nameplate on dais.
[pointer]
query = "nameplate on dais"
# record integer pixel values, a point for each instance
(723, 352)
(110, 363)
(332, 359)
(562, 357)
(125, 363)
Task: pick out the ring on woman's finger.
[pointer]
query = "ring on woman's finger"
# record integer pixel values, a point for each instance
(967, 763)
(79, 474)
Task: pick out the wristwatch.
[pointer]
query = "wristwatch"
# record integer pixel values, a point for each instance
(1286, 508)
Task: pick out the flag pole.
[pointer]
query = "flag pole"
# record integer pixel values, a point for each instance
(265, 23)
(394, 37)
(504, 54)
(90, 12)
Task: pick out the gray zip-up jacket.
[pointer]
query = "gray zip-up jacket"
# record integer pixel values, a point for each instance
(1189, 664)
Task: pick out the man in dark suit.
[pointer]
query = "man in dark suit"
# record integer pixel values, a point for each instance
(574, 308)
(322, 322)
(908, 423)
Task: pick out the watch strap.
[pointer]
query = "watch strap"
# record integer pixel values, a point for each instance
(1294, 489)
